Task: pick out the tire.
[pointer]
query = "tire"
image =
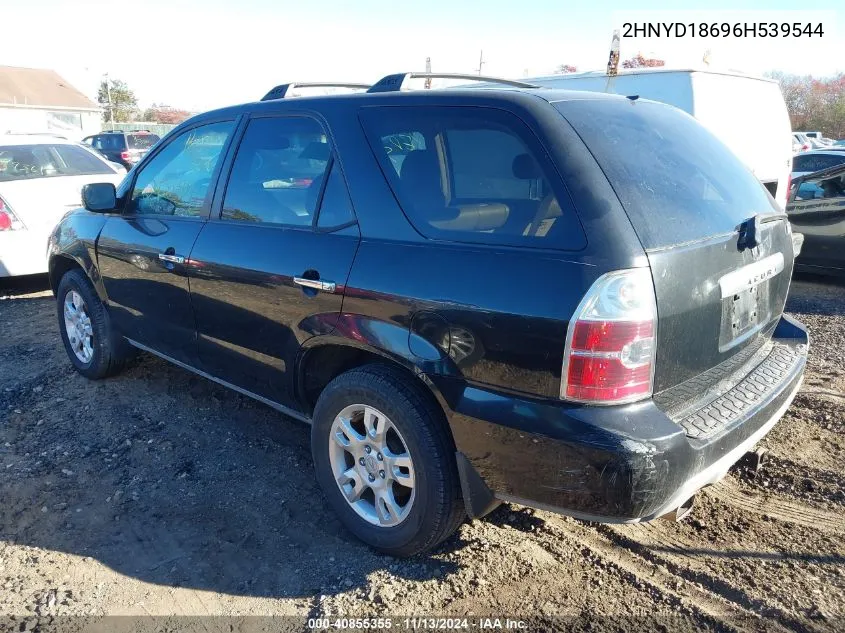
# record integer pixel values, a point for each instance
(433, 509)
(108, 351)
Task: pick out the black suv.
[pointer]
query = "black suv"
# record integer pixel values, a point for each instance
(126, 148)
(567, 300)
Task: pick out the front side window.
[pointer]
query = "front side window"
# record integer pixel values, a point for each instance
(27, 162)
(178, 179)
(278, 172)
(471, 174)
(827, 186)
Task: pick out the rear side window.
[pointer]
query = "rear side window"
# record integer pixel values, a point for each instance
(675, 179)
(472, 175)
(108, 142)
(278, 172)
(27, 162)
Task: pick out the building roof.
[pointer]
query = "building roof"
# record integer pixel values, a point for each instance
(40, 87)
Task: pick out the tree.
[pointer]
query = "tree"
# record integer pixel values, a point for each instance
(165, 114)
(814, 104)
(116, 97)
(565, 69)
(642, 62)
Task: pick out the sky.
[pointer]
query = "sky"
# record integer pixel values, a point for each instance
(202, 54)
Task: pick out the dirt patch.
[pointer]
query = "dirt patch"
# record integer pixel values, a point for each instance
(158, 493)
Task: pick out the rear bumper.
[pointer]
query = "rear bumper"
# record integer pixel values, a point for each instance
(610, 464)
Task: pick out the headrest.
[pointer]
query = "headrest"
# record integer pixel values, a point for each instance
(315, 151)
(272, 143)
(420, 163)
(525, 167)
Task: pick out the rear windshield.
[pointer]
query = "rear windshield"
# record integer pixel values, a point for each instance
(27, 162)
(675, 179)
(141, 141)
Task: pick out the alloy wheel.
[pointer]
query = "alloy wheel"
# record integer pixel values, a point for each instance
(371, 465)
(80, 331)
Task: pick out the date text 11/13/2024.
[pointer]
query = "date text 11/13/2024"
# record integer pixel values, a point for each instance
(417, 623)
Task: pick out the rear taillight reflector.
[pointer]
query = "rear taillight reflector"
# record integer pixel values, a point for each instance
(610, 347)
(8, 220)
(125, 155)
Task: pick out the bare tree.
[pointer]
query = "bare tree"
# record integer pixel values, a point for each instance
(814, 104)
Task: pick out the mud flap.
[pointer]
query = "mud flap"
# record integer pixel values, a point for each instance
(479, 499)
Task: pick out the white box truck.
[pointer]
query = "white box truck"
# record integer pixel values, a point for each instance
(747, 113)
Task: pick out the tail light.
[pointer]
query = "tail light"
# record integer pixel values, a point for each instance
(611, 343)
(124, 155)
(805, 147)
(8, 220)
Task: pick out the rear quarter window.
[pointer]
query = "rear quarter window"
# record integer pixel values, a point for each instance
(472, 174)
(676, 180)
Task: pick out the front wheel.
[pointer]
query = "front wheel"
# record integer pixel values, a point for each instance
(92, 347)
(385, 460)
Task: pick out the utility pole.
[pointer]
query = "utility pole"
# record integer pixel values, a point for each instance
(428, 70)
(111, 109)
(481, 61)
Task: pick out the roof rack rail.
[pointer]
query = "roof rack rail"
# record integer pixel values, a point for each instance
(280, 91)
(394, 83)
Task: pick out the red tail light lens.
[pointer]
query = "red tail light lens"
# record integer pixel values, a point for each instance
(610, 348)
(8, 220)
(125, 155)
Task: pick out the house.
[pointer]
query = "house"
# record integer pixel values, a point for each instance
(37, 100)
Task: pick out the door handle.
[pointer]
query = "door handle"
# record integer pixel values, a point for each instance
(173, 259)
(316, 284)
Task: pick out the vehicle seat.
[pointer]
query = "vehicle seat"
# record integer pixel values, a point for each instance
(420, 178)
(526, 168)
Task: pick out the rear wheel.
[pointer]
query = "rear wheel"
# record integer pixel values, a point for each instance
(92, 347)
(385, 461)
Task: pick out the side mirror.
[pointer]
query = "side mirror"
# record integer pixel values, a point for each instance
(99, 197)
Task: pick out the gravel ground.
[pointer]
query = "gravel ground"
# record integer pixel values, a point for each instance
(158, 493)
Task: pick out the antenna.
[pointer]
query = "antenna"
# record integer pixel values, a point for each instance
(481, 61)
(428, 71)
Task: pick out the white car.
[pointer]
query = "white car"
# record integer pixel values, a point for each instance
(816, 160)
(41, 179)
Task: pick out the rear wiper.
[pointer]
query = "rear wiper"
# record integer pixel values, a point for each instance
(749, 231)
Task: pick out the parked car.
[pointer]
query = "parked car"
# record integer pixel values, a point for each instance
(817, 209)
(746, 113)
(480, 296)
(40, 179)
(126, 148)
(816, 160)
(800, 143)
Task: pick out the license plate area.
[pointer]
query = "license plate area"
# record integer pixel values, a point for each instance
(744, 308)
(744, 313)
(747, 300)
